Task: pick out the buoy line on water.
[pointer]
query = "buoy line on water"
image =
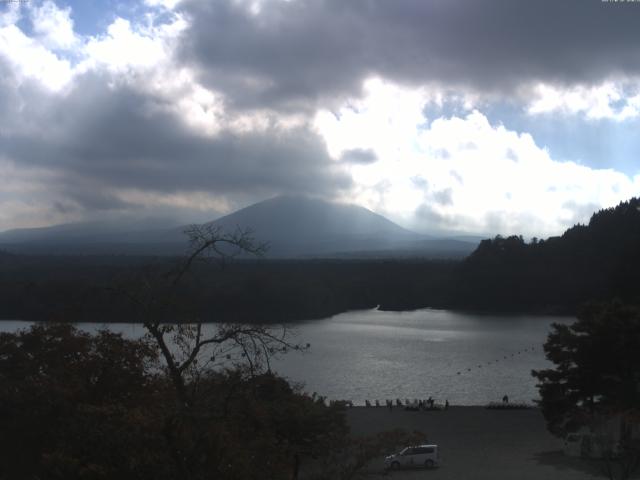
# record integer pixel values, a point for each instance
(498, 360)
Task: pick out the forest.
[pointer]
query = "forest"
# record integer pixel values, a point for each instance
(596, 261)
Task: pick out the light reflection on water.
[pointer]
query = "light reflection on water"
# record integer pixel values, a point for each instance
(377, 355)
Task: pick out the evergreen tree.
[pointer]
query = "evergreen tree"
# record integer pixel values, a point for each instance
(596, 380)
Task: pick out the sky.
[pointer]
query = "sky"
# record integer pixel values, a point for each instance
(483, 117)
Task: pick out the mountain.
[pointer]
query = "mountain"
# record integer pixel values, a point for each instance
(292, 226)
(303, 227)
(307, 218)
(93, 237)
(299, 226)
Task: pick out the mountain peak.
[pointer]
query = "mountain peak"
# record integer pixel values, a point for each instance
(292, 226)
(299, 219)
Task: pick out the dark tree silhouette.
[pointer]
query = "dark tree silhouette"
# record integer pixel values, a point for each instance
(74, 405)
(186, 345)
(598, 261)
(263, 412)
(93, 407)
(191, 351)
(188, 401)
(595, 382)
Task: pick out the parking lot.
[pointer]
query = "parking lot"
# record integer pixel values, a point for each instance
(476, 443)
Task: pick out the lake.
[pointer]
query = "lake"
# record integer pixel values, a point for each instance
(467, 358)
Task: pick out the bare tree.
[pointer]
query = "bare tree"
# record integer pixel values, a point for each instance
(191, 348)
(188, 346)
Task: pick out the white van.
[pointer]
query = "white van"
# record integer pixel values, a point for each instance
(416, 456)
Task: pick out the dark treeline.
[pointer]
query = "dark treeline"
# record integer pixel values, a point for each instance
(88, 288)
(597, 261)
(96, 407)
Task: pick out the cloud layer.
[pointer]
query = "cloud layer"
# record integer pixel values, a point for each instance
(307, 51)
(196, 108)
(462, 173)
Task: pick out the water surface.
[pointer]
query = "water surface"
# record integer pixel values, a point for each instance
(469, 359)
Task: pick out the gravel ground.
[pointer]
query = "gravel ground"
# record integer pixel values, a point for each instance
(477, 444)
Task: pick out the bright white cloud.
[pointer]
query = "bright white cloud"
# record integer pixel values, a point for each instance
(143, 56)
(384, 120)
(610, 100)
(38, 57)
(11, 14)
(168, 4)
(462, 173)
(123, 48)
(134, 53)
(31, 60)
(53, 26)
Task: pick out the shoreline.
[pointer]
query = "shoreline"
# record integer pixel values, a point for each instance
(311, 318)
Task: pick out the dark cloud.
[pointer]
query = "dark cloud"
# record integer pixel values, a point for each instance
(443, 197)
(299, 52)
(359, 156)
(431, 220)
(99, 139)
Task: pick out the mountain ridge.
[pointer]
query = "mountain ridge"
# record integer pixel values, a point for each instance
(293, 226)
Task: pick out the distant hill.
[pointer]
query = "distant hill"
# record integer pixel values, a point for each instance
(292, 226)
(108, 238)
(597, 261)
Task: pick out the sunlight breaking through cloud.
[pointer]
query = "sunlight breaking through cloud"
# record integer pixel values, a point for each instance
(265, 97)
(462, 173)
